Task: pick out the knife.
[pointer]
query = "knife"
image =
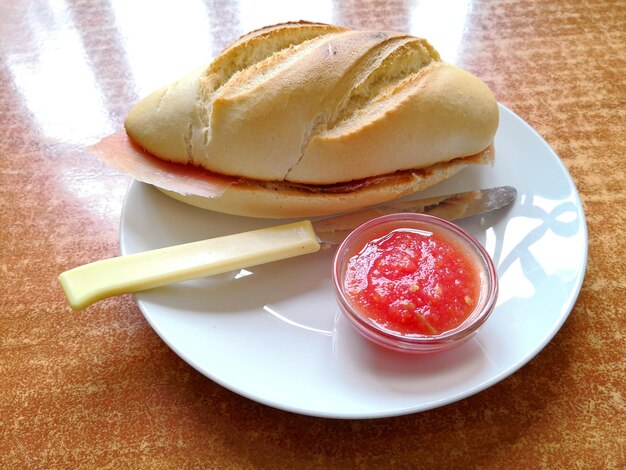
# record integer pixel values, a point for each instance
(92, 282)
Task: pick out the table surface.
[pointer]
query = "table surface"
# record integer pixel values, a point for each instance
(98, 388)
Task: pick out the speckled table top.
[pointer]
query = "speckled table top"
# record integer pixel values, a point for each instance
(99, 388)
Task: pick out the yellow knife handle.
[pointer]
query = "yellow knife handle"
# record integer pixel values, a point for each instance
(87, 284)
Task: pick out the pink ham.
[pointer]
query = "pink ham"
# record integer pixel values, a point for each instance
(119, 152)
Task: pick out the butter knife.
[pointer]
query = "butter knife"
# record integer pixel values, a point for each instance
(92, 282)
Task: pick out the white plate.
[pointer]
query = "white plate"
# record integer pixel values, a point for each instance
(274, 333)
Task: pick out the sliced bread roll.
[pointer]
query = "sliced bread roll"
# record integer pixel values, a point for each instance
(308, 119)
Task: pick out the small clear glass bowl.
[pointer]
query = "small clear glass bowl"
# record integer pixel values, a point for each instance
(416, 343)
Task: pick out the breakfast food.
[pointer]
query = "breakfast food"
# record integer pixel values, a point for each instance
(304, 119)
(413, 282)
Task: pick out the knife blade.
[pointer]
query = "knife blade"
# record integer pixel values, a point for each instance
(455, 206)
(92, 282)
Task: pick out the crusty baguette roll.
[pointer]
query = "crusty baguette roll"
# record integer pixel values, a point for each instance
(310, 119)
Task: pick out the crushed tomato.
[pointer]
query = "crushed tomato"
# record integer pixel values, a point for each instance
(413, 282)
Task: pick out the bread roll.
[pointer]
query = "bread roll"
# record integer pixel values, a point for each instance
(310, 119)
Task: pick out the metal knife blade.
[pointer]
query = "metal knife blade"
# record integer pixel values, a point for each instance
(456, 206)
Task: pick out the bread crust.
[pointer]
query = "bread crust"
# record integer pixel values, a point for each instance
(439, 114)
(318, 105)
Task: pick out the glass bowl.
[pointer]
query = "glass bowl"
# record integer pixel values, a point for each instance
(483, 277)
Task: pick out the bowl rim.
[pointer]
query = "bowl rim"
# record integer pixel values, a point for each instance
(487, 271)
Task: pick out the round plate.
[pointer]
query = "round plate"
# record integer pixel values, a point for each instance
(274, 334)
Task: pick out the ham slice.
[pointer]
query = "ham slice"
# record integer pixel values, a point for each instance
(120, 153)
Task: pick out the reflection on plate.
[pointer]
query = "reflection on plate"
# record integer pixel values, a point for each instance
(274, 334)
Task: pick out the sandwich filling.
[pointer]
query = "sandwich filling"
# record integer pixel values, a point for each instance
(121, 153)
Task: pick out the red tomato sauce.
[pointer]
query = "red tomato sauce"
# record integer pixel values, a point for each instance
(413, 282)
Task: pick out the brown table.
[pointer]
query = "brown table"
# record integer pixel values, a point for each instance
(99, 388)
